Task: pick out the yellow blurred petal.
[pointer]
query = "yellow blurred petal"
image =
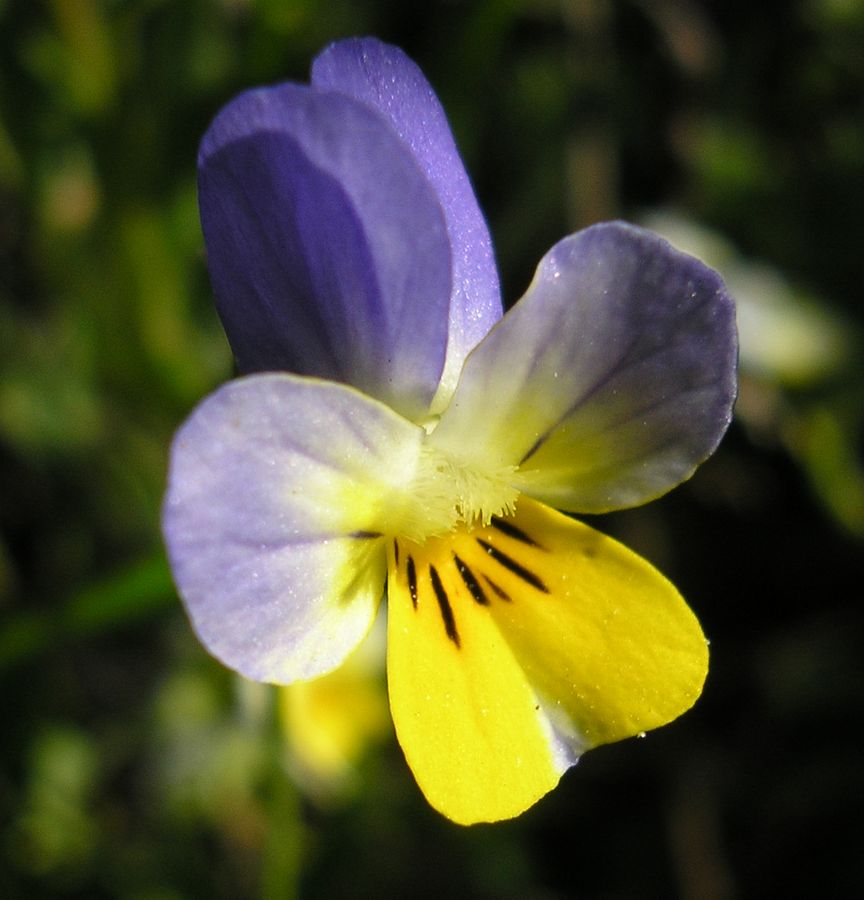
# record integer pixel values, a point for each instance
(331, 721)
(515, 647)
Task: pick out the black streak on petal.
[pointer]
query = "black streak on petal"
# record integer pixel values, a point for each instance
(365, 535)
(471, 582)
(411, 571)
(395, 553)
(512, 531)
(444, 605)
(515, 567)
(499, 591)
(534, 448)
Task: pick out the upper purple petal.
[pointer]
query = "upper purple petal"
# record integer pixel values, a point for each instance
(327, 248)
(383, 77)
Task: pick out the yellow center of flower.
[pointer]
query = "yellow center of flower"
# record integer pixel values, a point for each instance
(446, 492)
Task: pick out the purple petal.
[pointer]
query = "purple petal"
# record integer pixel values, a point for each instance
(610, 381)
(327, 249)
(278, 487)
(383, 77)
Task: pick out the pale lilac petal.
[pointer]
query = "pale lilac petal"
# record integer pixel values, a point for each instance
(383, 77)
(609, 382)
(327, 247)
(278, 487)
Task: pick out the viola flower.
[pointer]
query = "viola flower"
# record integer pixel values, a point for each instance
(330, 723)
(392, 428)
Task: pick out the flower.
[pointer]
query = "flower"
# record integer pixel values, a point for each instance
(331, 722)
(393, 427)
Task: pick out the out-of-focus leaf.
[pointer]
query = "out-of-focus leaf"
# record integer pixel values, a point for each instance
(140, 591)
(825, 441)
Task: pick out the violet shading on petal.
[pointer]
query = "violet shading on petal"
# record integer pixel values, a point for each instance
(612, 378)
(277, 494)
(383, 77)
(327, 249)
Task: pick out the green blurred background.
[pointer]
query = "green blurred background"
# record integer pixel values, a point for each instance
(132, 765)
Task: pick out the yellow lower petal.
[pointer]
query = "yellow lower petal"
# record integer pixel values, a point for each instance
(514, 647)
(612, 648)
(468, 721)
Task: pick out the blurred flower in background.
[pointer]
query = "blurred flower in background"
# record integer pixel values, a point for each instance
(331, 722)
(798, 359)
